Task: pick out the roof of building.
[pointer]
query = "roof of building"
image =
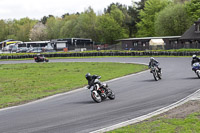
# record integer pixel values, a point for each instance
(190, 34)
(37, 42)
(149, 38)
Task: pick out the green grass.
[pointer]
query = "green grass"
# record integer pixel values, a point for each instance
(190, 124)
(21, 83)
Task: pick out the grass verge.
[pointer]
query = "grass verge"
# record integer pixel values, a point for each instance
(21, 83)
(182, 119)
(190, 124)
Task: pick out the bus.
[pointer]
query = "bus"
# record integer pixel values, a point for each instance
(8, 42)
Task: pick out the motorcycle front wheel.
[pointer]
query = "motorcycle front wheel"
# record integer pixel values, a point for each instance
(159, 75)
(112, 96)
(96, 97)
(198, 73)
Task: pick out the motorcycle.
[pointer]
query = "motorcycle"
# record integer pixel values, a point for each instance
(100, 92)
(156, 73)
(41, 59)
(196, 69)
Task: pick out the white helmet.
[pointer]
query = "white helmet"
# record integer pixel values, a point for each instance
(194, 56)
(152, 58)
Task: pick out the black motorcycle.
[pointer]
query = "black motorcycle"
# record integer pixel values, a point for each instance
(41, 59)
(100, 92)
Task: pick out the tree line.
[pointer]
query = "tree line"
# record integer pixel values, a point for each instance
(147, 18)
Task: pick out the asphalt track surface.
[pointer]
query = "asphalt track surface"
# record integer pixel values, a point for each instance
(76, 112)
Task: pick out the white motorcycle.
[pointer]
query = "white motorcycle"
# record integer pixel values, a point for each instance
(156, 73)
(100, 92)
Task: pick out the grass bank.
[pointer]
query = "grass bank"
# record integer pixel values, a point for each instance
(190, 124)
(21, 83)
(182, 119)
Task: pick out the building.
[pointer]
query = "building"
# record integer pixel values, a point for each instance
(34, 44)
(72, 43)
(170, 42)
(190, 39)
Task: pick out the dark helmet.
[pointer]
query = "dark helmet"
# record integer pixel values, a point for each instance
(88, 76)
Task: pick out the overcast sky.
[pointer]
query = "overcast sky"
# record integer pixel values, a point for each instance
(36, 9)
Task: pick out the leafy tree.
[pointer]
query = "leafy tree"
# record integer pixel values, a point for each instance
(147, 16)
(53, 27)
(109, 30)
(38, 32)
(2, 30)
(45, 18)
(24, 27)
(180, 1)
(193, 9)
(68, 28)
(66, 14)
(118, 5)
(131, 20)
(172, 21)
(10, 29)
(140, 4)
(117, 14)
(86, 23)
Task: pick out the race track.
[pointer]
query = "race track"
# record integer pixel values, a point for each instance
(76, 112)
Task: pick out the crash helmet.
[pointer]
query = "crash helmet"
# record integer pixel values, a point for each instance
(194, 56)
(151, 59)
(88, 76)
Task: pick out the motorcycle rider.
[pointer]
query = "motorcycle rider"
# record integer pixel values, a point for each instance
(195, 59)
(91, 79)
(154, 62)
(38, 56)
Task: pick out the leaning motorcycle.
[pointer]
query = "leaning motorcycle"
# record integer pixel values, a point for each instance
(41, 59)
(156, 73)
(196, 69)
(100, 92)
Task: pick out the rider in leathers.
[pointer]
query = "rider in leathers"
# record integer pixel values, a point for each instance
(154, 62)
(91, 79)
(195, 59)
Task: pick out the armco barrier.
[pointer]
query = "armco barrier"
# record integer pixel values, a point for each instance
(135, 53)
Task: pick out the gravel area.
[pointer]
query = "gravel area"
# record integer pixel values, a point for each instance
(192, 106)
(183, 110)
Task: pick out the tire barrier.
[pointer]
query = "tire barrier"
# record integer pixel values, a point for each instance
(84, 54)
